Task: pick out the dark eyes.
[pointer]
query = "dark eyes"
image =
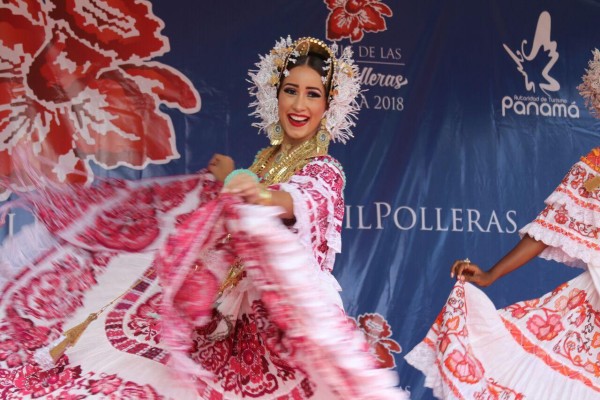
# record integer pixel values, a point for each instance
(293, 91)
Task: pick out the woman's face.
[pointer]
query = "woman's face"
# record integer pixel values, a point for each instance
(301, 104)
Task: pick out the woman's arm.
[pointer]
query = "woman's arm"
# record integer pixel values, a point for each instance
(524, 251)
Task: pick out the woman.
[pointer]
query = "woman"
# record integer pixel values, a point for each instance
(238, 303)
(546, 348)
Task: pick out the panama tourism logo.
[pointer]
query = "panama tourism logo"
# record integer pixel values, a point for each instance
(535, 63)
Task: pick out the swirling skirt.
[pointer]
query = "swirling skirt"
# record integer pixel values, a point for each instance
(545, 348)
(164, 331)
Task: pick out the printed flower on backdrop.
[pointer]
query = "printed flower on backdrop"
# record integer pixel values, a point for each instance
(77, 84)
(352, 18)
(378, 334)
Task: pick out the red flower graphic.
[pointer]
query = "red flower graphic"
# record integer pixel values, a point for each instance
(351, 18)
(464, 366)
(545, 329)
(78, 85)
(377, 333)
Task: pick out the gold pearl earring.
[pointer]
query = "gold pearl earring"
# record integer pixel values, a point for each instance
(276, 134)
(323, 138)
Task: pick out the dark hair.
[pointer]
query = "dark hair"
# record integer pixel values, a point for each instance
(314, 61)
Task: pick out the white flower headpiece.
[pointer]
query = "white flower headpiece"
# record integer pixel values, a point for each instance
(343, 90)
(590, 87)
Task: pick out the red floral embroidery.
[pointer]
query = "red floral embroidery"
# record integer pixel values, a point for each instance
(575, 299)
(495, 391)
(250, 359)
(464, 366)
(31, 380)
(78, 86)
(133, 391)
(561, 216)
(562, 325)
(462, 373)
(545, 329)
(130, 226)
(57, 292)
(517, 310)
(59, 209)
(596, 341)
(190, 301)
(118, 319)
(327, 171)
(146, 320)
(106, 385)
(65, 395)
(351, 18)
(8, 350)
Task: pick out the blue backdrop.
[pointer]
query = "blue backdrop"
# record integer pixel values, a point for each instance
(470, 118)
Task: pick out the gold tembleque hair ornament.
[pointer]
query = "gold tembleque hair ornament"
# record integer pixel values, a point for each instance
(342, 84)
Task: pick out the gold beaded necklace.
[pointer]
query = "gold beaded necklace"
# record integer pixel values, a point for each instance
(284, 164)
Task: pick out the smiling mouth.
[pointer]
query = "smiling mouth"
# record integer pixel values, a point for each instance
(297, 120)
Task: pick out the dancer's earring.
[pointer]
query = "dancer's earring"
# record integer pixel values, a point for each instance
(276, 134)
(323, 138)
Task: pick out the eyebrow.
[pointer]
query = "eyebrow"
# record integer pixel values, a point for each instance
(308, 87)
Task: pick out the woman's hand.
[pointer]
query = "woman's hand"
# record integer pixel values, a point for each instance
(524, 251)
(466, 271)
(253, 192)
(221, 166)
(247, 188)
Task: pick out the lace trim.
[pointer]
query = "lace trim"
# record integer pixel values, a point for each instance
(561, 248)
(569, 201)
(423, 358)
(306, 209)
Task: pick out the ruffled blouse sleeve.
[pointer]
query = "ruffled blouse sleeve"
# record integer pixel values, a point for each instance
(570, 223)
(317, 193)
